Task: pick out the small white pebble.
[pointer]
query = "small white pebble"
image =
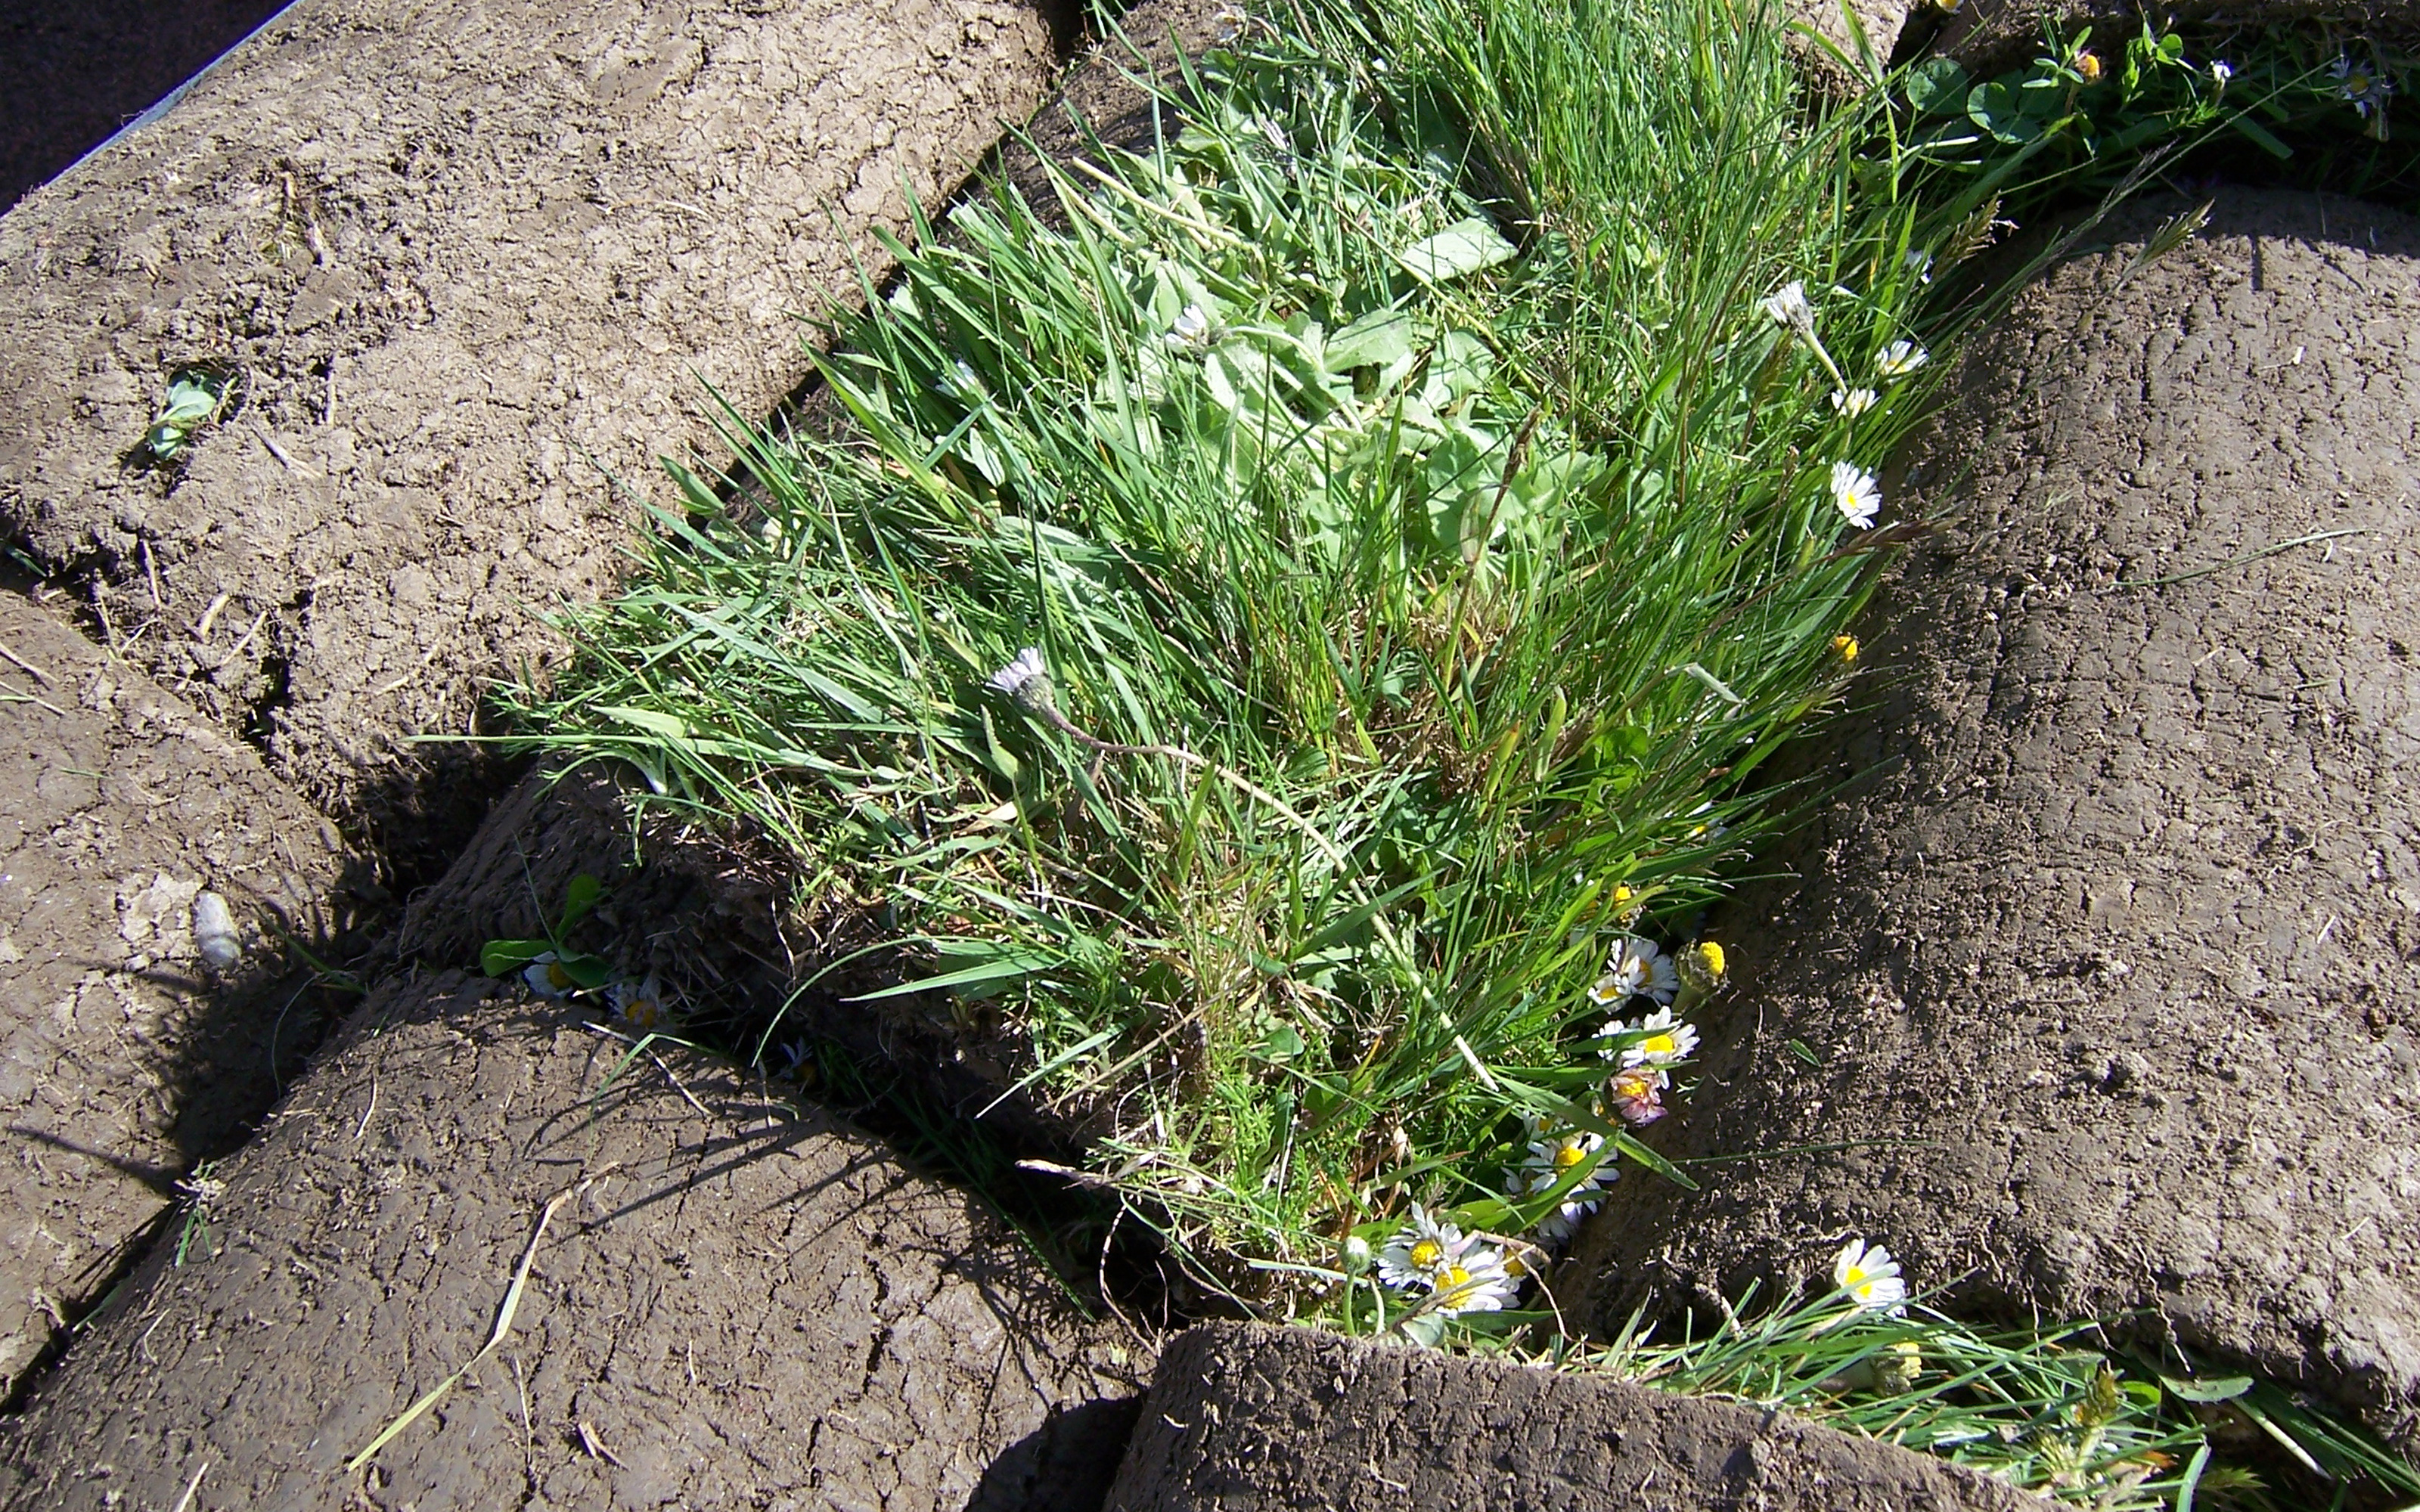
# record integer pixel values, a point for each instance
(215, 934)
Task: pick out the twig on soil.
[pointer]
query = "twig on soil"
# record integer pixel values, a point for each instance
(192, 1486)
(505, 1314)
(209, 616)
(2232, 562)
(677, 1084)
(40, 675)
(298, 468)
(596, 1446)
(363, 1127)
(10, 695)
(237, 650)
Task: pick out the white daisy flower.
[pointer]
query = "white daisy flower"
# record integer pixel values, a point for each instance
(1668, 1043)
(1019, 673)
(1900, 357)
(1636, 968)
(1554, 1155)
(1417, 1249)
(545, 975)
(1439, 1260)
(1855, 402)
(1192, 329)
(1474, 1282)
(639, 1005)
(2361, 85)
(1856, 494)
(1788, 306)
(1869, 1277)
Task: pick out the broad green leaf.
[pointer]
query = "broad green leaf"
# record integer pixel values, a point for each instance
(579, 897)
(1378, 339)
(501, 958)
(1935, 85)
(2216, 1389)
(1461, 249)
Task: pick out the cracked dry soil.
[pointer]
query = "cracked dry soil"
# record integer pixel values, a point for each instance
(124, 1058)
(2108, 966)
(475, 258)
(1248, 1415)
(742, 1304)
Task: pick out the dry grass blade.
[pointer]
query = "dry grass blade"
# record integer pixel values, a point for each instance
(496, 1336)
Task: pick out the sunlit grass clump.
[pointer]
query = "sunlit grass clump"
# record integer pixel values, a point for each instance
(1291, 634)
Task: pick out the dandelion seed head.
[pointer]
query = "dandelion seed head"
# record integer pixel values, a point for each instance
(1026, 678)
(1787, 305)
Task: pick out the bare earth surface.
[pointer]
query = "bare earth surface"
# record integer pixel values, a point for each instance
(1289, 1420)
(2110, 967)
(470, 256)
(737, 1304)
(720, 932)
(1988, 36)
(124, 1058)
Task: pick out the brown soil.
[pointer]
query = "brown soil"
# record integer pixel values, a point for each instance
(470, 258)
(75, 71)
(1882, 20)
(1246, 1416)
(1989, 36)
(2109, 967)
(739, 1304)
(718, 933)
(124, 1058)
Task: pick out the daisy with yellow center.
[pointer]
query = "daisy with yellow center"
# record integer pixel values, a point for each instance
(640, 1005)
(1474, 1282)
(1636, 968)
(1856, 494)
(1637, 1095)
(1866, 1275)
(1663, 1040)
(1454, 1269)
(1900, 357)
(1417, 1250)
(1554, 1155)
(545, 975)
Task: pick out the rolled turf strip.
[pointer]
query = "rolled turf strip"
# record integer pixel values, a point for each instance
(728, 1302)
(1989, 36)
(462, 264)
(126, 1053)
(1252, 1418)
(2099, 990)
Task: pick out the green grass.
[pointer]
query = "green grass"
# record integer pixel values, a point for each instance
(2069, 1411)
(1426, 534)
(1426, 531)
